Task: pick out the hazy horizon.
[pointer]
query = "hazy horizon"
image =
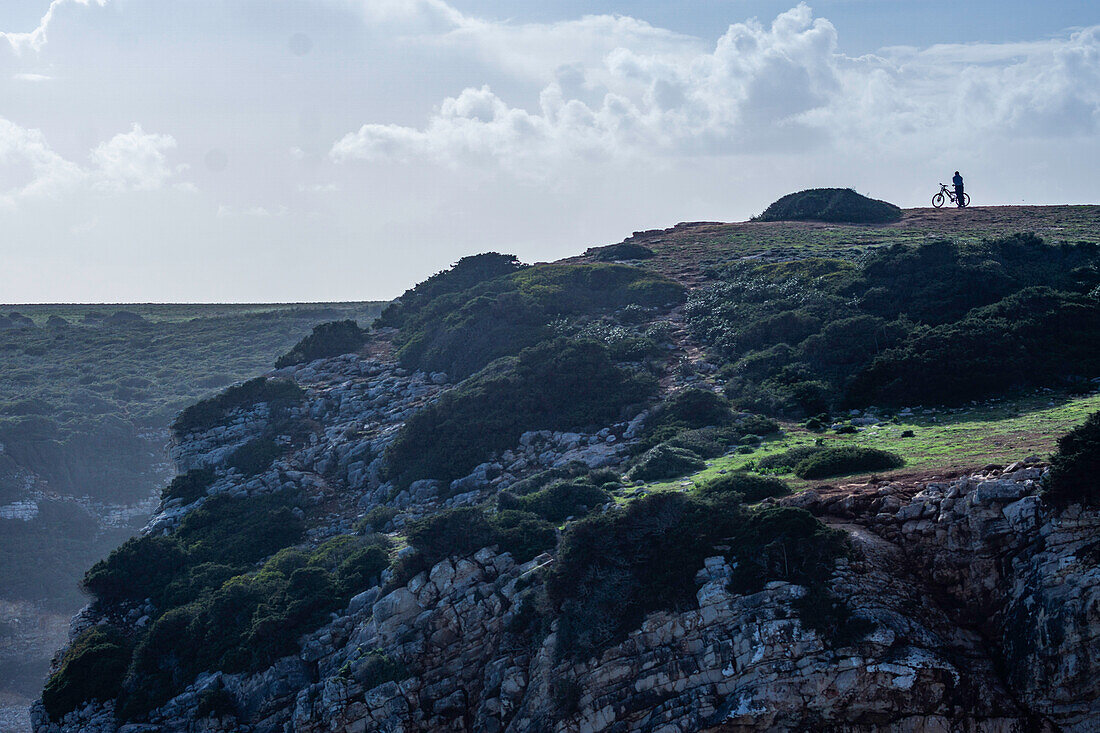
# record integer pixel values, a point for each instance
(342, 150)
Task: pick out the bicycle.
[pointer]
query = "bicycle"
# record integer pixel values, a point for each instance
(946, 193)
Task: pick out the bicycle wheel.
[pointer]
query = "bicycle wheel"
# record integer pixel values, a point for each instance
(965, 199)
(937, 200)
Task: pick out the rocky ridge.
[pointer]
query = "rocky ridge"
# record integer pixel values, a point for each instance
(957, 581)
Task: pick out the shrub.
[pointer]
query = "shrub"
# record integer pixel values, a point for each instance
(704, 442)
(1075, 467)
(92, 669)
(239, 530)
(207, 413)
(783, 543)
(557, 385)
(665, 462)
(255, 456)
(377, 518)
(459, 332)
(559, 500)
(845, 460)
(142, 567)
(830, 616)
(613, 568)
(189, 486)
(464, 530)
(688, 409)
(841, 205)
(621, 251)
(377, 668)
(326, 339)
(216, 703)
(752, 488)
(786, 461)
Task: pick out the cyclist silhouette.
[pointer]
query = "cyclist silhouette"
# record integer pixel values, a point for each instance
(958, 181)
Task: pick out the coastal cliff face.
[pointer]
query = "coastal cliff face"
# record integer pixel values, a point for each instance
(978, 604)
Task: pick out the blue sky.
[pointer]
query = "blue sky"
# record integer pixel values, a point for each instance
(279, 150)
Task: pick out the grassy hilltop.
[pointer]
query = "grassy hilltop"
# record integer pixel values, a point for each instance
(689, 376)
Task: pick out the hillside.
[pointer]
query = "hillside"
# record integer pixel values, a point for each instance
(86, 396)
(756, 476)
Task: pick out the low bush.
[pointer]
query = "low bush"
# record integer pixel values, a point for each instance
(1075, 467)
(841, 205)
(92, 669)
(557, 385)
(686, 410)
(559, 500)
(377, 519)
(613, 568)
(621, 251)
(255, 456)
(239, 530)
(750, 487)
(845, 460)
(189, 486)
(464, 530)
(142, 567)
(207, 413)
(786, 461)
(665, 462)
(377, 668)
(783, 543)
(327, 339)
(705, 442)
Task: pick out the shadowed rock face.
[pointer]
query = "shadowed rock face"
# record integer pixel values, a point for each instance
(983, 605)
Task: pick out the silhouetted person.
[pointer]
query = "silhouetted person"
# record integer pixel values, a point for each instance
(958, 181)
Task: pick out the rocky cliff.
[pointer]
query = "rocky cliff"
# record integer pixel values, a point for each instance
(976, 606)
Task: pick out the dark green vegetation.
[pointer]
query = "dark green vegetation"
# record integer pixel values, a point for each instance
(84, 398)
(207, 413)
(621, 251)
(845, 460)
(92, 669)
(327, 339)
(933, 324)
(489, 306)
(562, 498)
(614, 568)
(842, 205)
(749, 487)
(213, 608)
(556, 385)
(189, 486)
(664, 462)
(1075, 467)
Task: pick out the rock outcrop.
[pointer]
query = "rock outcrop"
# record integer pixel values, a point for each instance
(978, 608)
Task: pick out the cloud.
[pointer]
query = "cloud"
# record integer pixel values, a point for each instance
(618, 88)
(131, 161)
(36, 39)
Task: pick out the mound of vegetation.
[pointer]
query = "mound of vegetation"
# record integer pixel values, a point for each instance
(838, 205)
(92, 669)
(620, 252)
(751, 488)
(326, 339)
(940, 323)
(187, 487)
(464, 530)
(614, 568)
(786, 461)
(207, 413)
(246, 621)
(560, 500)
(846, 459)
(458, 323)
(557, 385)
(665, 462)
(1075, 467)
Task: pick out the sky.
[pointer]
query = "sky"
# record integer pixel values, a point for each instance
(324, 150)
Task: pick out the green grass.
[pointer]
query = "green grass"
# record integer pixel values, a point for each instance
(997, 432)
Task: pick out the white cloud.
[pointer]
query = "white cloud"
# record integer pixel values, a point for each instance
(131, 161)
(783, 87)
(36, 39)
